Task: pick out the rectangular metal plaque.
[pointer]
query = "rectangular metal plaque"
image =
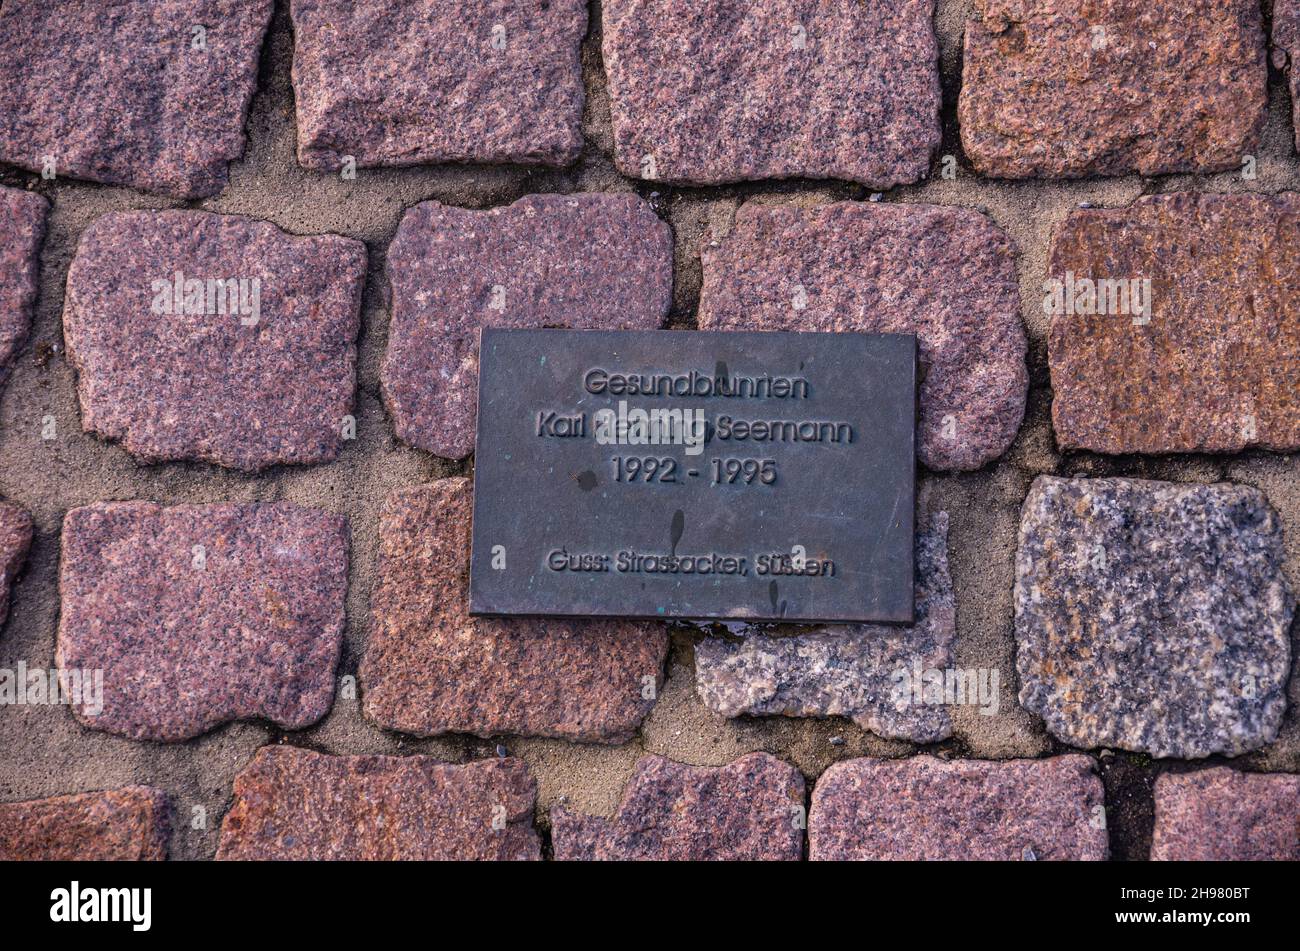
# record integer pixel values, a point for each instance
(690, 474)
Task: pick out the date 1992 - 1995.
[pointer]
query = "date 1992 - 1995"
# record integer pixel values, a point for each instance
(667, 470)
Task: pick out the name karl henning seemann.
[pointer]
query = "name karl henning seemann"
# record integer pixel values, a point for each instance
(689, 428)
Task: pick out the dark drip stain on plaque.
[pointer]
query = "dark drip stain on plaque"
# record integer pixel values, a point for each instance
(687, 474)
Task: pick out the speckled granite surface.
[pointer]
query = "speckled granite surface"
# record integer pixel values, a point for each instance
(489, 81)
(749, 810)
(947, 275)
(151, 95)
(586, 262)
(1211, 365)
(702, 93)
(923, 808)
(293, 804)
(1067, 88)
(122, 825)
(1221, 815)
(198, 615)
(1152, 616)
(258, 371)
(852, 670)
(430, 668)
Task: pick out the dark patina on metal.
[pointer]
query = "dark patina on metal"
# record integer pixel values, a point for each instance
(688, 474)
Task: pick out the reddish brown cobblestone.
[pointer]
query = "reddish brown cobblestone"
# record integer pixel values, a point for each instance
(294, 804)
(22, 229)
(1070, 88)
(947, 275)
(1224, 815)
(15, 539)
(202, 614)
(587, 262)
(1211, 364)
(151, 95)
(405, 82)
(129, 824)
(923, 808)
(258, 372)
(430, 668)
(704, 93)
(749, 810)
(1153, 616)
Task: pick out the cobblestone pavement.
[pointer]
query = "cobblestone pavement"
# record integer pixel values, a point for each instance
(237, 352)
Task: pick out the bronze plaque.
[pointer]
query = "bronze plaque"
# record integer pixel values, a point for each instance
(690, 474)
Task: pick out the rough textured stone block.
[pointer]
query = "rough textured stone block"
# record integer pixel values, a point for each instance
(947, 275)
(257, 371)
(430, 668)
(123, 825)
(1223, 815)
(727, 91)
(151, 95)
(15, 539)
(1286, 49)
(586, 262)
(294, 804)
(1070, 88)
(1152, 616)
(1211, 364)
(749, 810)
(405, 82)
(845, 670)
(924, 808)
(202, 614)
(22, 229)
